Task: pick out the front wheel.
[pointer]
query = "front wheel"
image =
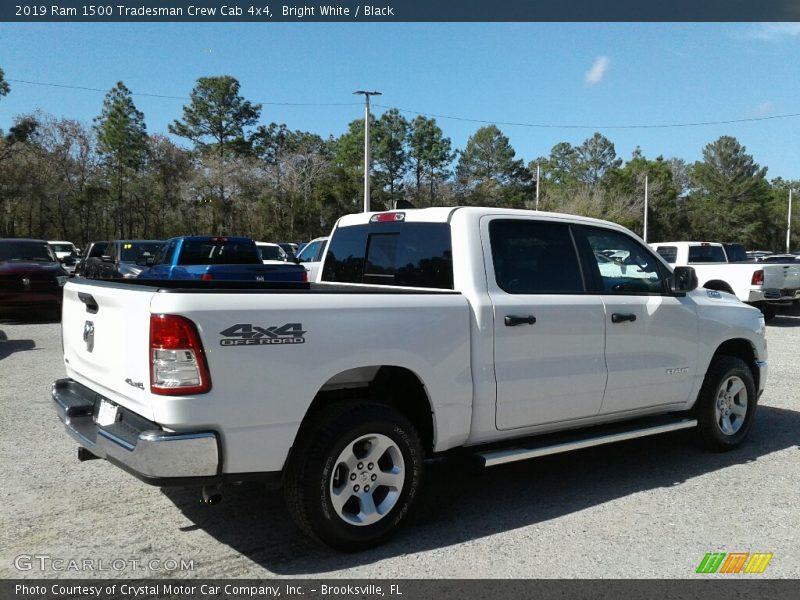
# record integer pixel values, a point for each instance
(354, 474)
(727, 404)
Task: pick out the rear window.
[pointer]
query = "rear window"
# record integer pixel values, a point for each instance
(668, 253)
(219, 253)
(404, 254)
(706, 254)
(36, 251)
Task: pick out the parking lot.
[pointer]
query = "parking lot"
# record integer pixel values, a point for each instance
(646, 508)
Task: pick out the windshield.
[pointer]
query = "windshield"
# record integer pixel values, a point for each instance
(37, 251)
(63, 248)
(133, 250)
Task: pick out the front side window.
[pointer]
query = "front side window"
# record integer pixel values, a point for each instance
(534, 257)
(624, 265)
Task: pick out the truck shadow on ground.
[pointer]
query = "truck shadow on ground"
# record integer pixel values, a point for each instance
(786, 317)
(8, 347)
(460, 502)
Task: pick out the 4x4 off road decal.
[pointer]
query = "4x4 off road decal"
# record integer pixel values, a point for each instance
(245, 334)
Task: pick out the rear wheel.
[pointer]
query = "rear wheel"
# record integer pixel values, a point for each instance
(727, 404)
(354, 474)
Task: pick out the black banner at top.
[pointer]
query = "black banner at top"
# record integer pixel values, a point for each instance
(268, 11)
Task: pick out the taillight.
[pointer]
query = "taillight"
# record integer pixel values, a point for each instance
(758, 278)
(177, 360)
(206, 277)
(304, 277)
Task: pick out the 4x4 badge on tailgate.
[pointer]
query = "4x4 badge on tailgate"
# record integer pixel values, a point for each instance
(245, 334)
(88, 335)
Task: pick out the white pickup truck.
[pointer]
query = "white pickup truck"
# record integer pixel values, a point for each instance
(763, 286)
(499, 332)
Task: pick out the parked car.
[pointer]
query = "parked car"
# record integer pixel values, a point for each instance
(311, 257)
(92, 250)
(766, 287)
(66, 253)
(31, 278)
(215, 258)
(492, 331)
(119, 259)
(290, 249)
(271, 253)
(63, 249)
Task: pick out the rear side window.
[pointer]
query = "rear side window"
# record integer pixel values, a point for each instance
(219, 253)
(406, 254)
(668, 253)
(534, 257)
(706, 254)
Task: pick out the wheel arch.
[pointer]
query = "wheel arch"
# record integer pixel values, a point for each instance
(739, 348)
(718, 285)
(392, 385)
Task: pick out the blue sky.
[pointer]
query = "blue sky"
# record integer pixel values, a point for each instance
(584, 74)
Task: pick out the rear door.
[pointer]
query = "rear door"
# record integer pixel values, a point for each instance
(106, 332)
(549, 332)
(651, 335)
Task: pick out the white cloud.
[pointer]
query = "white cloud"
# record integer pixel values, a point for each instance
(764, 109)
(597, 72)
(771, 32)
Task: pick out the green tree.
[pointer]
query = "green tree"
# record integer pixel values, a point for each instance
(5, 88)
(391, 157)
(429, 154)
(594, 158)
(218, 118)
(217, 121)
(122, 145)
(487, 172)
(729, 195)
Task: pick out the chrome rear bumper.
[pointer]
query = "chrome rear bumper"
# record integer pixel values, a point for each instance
(135, 444)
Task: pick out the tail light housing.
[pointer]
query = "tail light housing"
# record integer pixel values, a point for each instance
(304, 277)
(206, 277)
(177, 359)
(758, 278)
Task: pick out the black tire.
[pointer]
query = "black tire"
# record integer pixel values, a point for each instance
(725, 370)
(313, 471)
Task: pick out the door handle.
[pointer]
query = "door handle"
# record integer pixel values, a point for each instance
(622, 317)
(514, 320)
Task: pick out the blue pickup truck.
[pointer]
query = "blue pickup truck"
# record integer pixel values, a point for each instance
(215, 258)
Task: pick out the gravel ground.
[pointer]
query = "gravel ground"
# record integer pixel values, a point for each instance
(645, 508)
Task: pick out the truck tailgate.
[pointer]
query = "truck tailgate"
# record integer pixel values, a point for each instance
(106, 333)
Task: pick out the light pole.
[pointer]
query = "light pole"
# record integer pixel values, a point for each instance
(789, 224)
(367, 162)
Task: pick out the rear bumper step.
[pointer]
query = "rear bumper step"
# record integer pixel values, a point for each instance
(573, 441)
(135, 444)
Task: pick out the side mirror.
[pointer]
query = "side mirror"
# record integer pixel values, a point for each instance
(684, 279)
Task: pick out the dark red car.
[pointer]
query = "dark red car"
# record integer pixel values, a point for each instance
(31, 278)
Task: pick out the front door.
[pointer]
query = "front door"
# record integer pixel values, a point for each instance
(651, 334)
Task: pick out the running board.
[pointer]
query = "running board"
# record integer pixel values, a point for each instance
(502, 456)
